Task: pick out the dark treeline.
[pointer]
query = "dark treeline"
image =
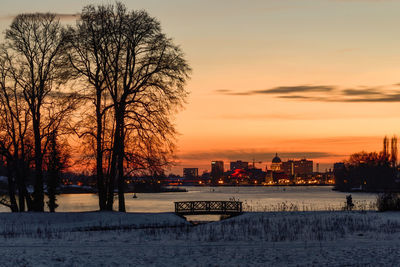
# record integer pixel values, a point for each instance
(370, 172)
(114, 80)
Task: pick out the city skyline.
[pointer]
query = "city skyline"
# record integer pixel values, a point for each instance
(264, 166)
(240, 173)
(304, 79)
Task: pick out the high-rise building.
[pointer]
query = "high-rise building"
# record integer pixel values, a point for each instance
(297, 167)
(190, 172)
(217, 170)
(239, 165)
(288, 167)
(303, 166)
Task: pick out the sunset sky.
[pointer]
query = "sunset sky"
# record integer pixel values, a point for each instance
(318, 79)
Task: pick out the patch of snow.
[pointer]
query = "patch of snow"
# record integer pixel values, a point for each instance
(164, 239)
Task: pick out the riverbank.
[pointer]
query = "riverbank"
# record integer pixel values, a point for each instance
(163, 239)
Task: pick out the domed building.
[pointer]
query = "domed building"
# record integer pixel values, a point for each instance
(276, 165)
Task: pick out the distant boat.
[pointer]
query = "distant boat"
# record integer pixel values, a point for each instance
(134, 195)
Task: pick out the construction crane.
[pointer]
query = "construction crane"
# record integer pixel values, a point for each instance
(254, 163)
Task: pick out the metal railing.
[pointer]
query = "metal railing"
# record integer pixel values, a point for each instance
(208, 207)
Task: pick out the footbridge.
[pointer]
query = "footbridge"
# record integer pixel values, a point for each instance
(230, 208)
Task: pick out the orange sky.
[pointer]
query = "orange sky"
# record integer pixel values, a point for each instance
(316, 79)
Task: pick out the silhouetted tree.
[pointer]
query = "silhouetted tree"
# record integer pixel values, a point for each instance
(35, 44)
(56, 161)
(125, 56)
(15, 142)
(86, 45)
(370, 171)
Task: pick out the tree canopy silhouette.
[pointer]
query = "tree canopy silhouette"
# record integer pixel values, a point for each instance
(136, 77)
(368, 172)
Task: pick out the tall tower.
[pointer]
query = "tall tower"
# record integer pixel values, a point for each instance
(385, 146)
(393, 149)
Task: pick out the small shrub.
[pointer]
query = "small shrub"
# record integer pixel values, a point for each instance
(388, 201)
(349, 205)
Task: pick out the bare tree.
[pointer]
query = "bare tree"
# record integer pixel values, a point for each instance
(86, 43)
(35, 43)
(146, 78)
(125, 56)
(15, 145)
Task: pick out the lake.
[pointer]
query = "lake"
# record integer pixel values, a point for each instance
(258, 198)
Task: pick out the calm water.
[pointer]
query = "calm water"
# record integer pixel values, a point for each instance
(254, 198)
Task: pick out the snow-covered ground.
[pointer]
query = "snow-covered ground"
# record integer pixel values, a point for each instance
(163, 239)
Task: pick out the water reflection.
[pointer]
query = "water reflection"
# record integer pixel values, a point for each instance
(254, 198)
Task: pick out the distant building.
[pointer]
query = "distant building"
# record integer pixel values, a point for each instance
(190, 172)
(288, 167)
(280, 178)
(276, 165)
(239, 165)
(217, 170)
(303, 166)
(297, 167)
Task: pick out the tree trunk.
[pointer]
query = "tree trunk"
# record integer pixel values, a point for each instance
(26, 194)
(21, 193)
(11, 192)
(115, 160)
(113, 170)
(38, 197)
(99, 155)
(18, 169)
(51, 190)
(120, 173)
(29, 201)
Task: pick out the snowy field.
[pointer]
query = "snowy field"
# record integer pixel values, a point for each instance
(326, 238)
